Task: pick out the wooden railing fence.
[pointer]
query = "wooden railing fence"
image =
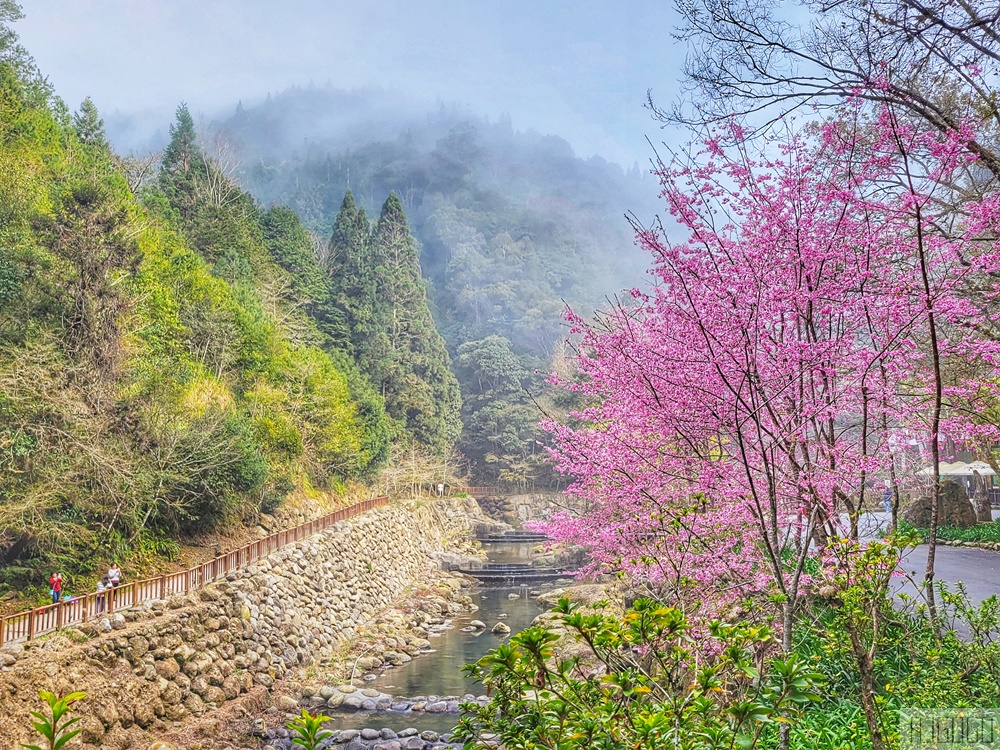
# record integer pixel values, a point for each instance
(32, 623)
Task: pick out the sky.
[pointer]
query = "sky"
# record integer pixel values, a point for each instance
(578, 69)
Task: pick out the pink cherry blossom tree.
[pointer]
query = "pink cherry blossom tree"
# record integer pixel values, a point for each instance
(736, 406)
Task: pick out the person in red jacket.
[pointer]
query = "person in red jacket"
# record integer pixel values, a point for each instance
(55, 586)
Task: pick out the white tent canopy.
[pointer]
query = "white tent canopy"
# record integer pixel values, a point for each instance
(960, 469)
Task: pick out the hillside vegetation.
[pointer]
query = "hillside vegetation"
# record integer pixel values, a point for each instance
(171, 356)
(511, 225)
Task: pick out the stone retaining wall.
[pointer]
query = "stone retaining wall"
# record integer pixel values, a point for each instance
(149, 670)
(529, 506)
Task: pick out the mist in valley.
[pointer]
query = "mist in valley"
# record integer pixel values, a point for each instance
(518, 152)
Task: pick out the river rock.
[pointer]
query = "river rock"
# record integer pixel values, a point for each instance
(501, 628)
(353, 700)
(478, 624)
(369, 734)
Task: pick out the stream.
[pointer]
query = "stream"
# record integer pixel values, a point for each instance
(439, 673)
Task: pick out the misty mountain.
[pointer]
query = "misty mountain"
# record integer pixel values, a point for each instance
(512, 226)
(511, 223)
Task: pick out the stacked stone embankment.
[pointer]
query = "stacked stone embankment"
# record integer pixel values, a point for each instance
(529, 506)
(146, 672)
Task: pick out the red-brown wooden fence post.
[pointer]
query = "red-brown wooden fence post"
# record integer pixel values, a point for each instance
(31, 625)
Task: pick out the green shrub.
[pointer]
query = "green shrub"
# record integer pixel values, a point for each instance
(643, 681)
(54, 731)
(981, 532)
(308, 730)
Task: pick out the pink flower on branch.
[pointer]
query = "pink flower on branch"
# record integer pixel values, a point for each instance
(763, 383)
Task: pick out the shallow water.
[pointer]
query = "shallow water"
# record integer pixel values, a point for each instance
(520, 552)
(440, 672)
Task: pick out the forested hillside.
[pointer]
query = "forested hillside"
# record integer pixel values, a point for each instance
(172, 355)
(178, 354)
(511, 226)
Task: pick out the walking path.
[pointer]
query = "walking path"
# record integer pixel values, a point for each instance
(978, 569)
(32, 623)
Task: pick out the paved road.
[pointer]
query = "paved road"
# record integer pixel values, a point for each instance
(978, 569)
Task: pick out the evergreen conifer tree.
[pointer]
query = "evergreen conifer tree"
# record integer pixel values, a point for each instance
(183, 163)
(291, 247)
(409, 355)
(351, 273)
(376, 281)
(89, 126)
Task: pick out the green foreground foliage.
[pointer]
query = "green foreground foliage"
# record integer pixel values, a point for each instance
(637, 682)
(308, 730)
(652, 678)
(54, 728)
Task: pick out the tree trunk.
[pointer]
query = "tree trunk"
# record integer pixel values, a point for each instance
(981, 499)
(866, 670)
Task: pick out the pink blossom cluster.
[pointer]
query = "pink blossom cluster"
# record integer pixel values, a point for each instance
(769, 373)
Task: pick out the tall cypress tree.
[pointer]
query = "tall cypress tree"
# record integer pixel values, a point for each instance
(183, 163)
(353, 288)
(377, 282)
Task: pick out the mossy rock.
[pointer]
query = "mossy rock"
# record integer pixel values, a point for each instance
(956, 509)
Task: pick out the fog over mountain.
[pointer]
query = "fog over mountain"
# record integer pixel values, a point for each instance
(579, 69)
(512, 227)
(514, 135)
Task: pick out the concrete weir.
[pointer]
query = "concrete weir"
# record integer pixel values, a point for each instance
(513, 573)
(510, 537)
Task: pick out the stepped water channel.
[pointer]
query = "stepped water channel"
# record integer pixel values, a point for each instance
(435, 680)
